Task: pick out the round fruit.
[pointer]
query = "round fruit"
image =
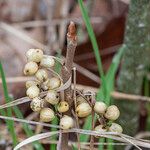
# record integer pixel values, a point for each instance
(63, 106)
(66, 122)
(30, 68)
(115, 128)
(112, 112)
(37, 104)
(83, 110)
(33, 92)
(47, 62)
(46, 115)
(100, 107)
(52, 97)
(35, 55)
(54, 83)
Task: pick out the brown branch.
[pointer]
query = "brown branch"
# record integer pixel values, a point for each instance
(66, 74)
(75, 105)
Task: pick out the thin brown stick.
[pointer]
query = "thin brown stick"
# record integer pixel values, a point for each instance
(93, 123)
(75, 105)
(119, 95)
(66, 74)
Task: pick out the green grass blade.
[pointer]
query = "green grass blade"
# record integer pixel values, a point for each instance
(55, 121)
(17, 112)
(93, 41)
(10, 124)
(97, 56)
(87, 126)
(110, 76)
(27, 129)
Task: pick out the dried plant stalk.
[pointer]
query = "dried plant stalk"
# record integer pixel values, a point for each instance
(67, 73)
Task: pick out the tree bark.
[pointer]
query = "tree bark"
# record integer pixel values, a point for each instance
(135, 61)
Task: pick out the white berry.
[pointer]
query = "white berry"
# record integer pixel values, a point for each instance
(112, 112)
(63, 106)
(115, 128)
(83, 110)
(54, 83)
(100, 128)
(30, 68)
(100, 107)
(33, 92)
(52, 97)
(47, 62)
(46, 115)
(37, 104)
(35, 55)
(41, 75)
(66, 122)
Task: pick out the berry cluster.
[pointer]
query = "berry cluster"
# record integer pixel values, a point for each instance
(37, 66)
(107, 116)
(51, 104)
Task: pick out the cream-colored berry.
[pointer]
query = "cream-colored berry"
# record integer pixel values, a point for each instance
(63, 106)
(115, 128)
(52, 97)
(54, 83)
(35, 55)
(47, 62)
(83, 110)
(112, 112)
(30, 68)
(66, 122)
(31, 83)
(46, 115)
(41, 75)
(33, 92)
(80, 100)
(100, 107)
(37, 104)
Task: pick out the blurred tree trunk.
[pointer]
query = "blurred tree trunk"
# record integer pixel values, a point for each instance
(135, 61)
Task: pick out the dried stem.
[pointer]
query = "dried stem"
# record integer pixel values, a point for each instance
(66, 74)
(93, 123)
(75, 105)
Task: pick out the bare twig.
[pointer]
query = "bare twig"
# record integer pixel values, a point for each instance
(93, 122)
(55, 21)
(66, 73)
(119, 95)
(75, 105)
